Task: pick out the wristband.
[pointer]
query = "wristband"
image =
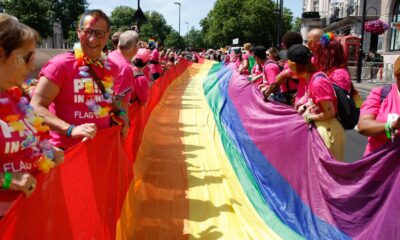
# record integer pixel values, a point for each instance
(120, 112)
(7, 180)
(69, 131)
(387, 130)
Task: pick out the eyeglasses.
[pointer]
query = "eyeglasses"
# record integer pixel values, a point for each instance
(98, 33)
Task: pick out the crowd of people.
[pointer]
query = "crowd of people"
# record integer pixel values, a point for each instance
(86, 90)
(305, 77)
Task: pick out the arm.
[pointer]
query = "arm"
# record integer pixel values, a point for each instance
(244, 65)
(368, 126)
(45, 93)
(280, 78)
(328, 112)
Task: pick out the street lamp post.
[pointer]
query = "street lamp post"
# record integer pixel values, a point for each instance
(179, 16)
(187, 33)
(360, 53)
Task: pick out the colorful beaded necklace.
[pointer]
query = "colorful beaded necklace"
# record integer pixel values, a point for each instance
(101, 109)
(14, 108)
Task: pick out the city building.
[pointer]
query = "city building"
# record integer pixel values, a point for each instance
(344, 18)
(391, 39)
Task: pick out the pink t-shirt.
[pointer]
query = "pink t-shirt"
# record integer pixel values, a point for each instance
(156, 66)
(256, 71)
(271, 70)
(391, 104)
(341, 77)
(14, 155)
(141, 90)
(125, 73)
(70, 104)
(292, 84)
(320, 89)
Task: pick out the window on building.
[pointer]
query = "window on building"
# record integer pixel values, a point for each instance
(316, 5)
(395, 36)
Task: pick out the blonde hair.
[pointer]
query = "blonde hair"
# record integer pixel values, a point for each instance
(14, 34)
(247, 46)
(396, 67)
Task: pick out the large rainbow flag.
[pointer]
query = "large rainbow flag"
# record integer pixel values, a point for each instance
(211, 161)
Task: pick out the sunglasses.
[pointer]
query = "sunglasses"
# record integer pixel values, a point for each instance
(97, 33)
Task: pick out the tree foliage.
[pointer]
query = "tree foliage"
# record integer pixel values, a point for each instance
(68, 13)
(155, 27)
(296, 25)
(34, 13)
(252, 21)
(194, 38)
(174, 40)
(40, 14)
(122, 18)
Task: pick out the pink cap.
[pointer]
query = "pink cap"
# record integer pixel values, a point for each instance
(143, 54)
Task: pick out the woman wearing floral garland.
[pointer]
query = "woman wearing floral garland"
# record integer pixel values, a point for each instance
(78, 86)
(24, 146)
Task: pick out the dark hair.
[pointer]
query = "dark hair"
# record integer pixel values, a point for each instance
(14, 34)
(159, 44)
(299, 54)
(95, 13)
(291, 38)
(259, 51)
(139, 62)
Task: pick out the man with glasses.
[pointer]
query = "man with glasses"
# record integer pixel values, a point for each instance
(74, 93)
(313, 37)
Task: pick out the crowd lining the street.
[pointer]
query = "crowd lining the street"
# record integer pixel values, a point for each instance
(84, 90)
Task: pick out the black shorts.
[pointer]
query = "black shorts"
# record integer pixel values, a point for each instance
(155, 76)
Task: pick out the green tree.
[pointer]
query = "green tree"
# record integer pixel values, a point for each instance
(34, 13)
(122, 18)
(251, 21)
(194, 38)
(155, 27)
(297, 25)
(174, 40)
(68, 12)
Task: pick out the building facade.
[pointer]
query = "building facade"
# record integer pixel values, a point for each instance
(391, 39)
(344, 18)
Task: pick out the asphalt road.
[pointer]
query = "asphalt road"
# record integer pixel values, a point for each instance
(355, 143)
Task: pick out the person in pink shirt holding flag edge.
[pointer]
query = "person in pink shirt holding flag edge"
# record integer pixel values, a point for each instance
(379, 114)
(75, 90)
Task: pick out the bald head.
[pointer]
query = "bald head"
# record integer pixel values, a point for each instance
(313, 37)
(128, 40)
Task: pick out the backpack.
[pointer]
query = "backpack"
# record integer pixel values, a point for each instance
(347, 112)
(385, 91)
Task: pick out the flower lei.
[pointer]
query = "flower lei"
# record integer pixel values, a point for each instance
(13, 109)
(101, 109)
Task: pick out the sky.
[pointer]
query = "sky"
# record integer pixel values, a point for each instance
(192, 11)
